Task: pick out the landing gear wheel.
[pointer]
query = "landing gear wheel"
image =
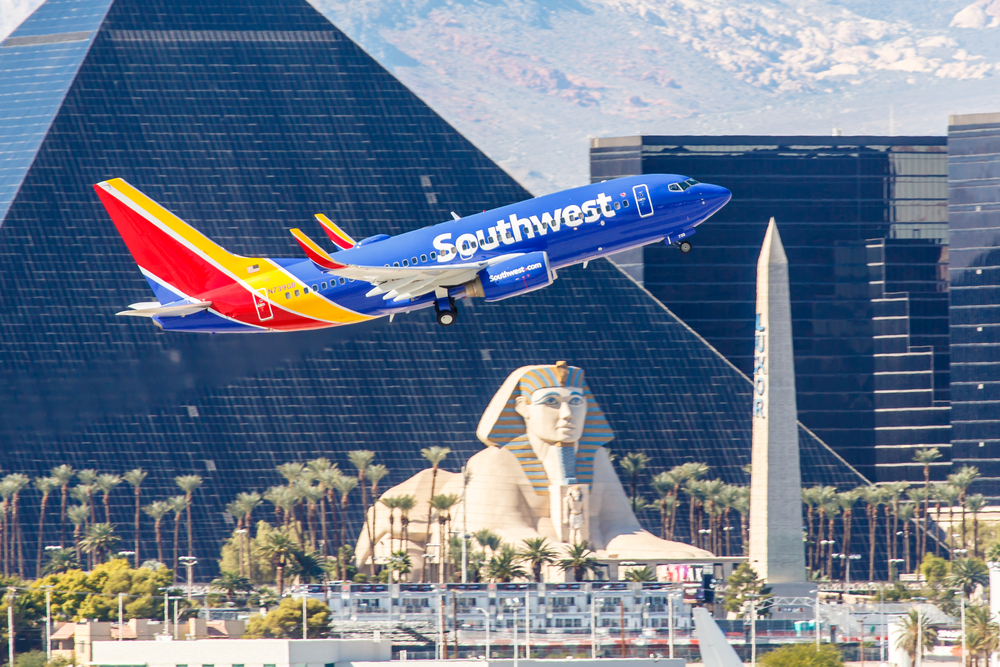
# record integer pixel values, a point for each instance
(446, 317)
(684, 246)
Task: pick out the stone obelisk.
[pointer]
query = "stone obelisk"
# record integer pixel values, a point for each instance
(777, 552)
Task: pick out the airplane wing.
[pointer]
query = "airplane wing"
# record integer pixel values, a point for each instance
(151, 308)
(404, 283)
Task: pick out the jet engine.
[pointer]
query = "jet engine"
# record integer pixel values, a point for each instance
(512, 277)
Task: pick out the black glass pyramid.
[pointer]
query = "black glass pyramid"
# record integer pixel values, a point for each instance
(245, 117)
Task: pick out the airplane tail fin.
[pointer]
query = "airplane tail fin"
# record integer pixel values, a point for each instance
(178, 261)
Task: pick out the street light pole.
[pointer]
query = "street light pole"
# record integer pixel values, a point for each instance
(305, 617)
(670, 622)
(962, 591)
(487, 615)
(466, 474)
(189, 562)
(121, 616)
(48, 622)
(10, 625)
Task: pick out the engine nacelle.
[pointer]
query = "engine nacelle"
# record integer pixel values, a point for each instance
(512, 277)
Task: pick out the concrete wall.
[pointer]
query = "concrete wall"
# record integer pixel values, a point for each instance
(247, 652)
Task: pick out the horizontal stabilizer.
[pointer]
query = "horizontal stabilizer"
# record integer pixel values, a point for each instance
(318, 256)
(340, 238)
(155, 308)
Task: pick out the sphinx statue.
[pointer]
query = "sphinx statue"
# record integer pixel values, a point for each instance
(544, 472)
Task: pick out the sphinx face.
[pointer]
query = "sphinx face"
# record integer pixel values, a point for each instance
(555, 414)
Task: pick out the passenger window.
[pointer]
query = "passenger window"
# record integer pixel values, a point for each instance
(423, 258)
(396, 264)
(475, 244)
(625, 203)
(406, 263)
(433, 255)
(617, 206)
(413, 260)
(323, 285)
(342, 281)
(288, 295)
(349, 280)
(297, 293)
(305, 290)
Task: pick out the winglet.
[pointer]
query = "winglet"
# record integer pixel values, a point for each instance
(336, 234)
(318, 256)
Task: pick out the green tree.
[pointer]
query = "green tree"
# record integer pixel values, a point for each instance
(742, 584)
(917, 630)
(279, 549)
(188, 484)
(537, 554)
(134, 478)
(106, 483)
(232, 583)
(45, 486)
(405, 503)
(975, 504)
(925, 457)
(487, 539)
(934, 568)
(962, 480)
(374, 474)
(580, 559)
(443, 502)
(100, 540)
(802, 655)
(645, 573)
(633, 464)
(967, 573)
(503, 566)
(63, 474)
(344, 485)
(285, 622)
(156, 511)
(435, 456)
(177, 505)
(981, 633)
(59, 560)
(78, 517)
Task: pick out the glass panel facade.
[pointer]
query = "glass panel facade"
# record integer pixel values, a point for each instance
(246, 118)
(829, 195)
(974, 229)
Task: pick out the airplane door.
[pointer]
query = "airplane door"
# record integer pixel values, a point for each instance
(263, 306)
(642, 201)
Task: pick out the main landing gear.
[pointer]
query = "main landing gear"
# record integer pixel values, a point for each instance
(447, 315)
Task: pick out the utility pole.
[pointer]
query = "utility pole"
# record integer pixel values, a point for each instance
(305, 617)
(121, 616)
(189, 562)
(466, 475)
(48, 622)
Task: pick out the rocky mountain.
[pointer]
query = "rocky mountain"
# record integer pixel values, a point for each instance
(529, 81)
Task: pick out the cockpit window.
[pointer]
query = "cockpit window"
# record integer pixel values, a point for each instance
(675, 187)
(690, 182)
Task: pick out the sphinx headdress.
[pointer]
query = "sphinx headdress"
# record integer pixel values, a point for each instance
(501, 423)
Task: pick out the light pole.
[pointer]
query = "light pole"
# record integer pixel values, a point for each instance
(894, 568)
(962, 592)
(487, 615)
(121, 616)
(513, 604)
(189, 562)
(846, 559)
(752, 603)
(593, 625)
(128, 556)
(305, 617)
(817, 621)
(466, 476)
(48, 620)
(166, 610)
(670, 619)
(10, 625)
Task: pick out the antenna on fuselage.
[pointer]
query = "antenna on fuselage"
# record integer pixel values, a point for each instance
(455, 216)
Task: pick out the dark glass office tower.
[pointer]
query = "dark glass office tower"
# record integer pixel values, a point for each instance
(974, 226)
(246, 117)
(829, 196)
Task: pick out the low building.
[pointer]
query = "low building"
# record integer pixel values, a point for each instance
(241, 652)
(76, 639)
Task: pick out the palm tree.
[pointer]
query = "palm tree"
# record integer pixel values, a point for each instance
(846, 501)
(344, 485)
(918, 496)
(713, 490)
(231, 583)
(78, 515)
(6, 491)
(926, 457)
(742, 505)
(242, 508)
(488, 540)
(503, 566)
(981, 633)
(666, 485)
(580, 559)
(443, 502)
(64, 475)
(434, 455)
(689, 472)
(809, 500)
(830, 510)
(633, 464)
(100, 539)
(324, 473)
(18, 483)
(59, 561)
(893, 491)
(374, 474)
(917, 630)
(967, 573)
(646, 573)
(177, 505)
(292, 472)
(962, 480)
(696, 494)
(313, 495)
(406, 503)
(45, 485)
(134, 478)
(667, 505)
(278, 548)
(391, 503)
(948, 494)
(537, 554)
(83, 493)
(187, 484)
(873, 497)
(905, 514)
(975, 504)
(156, 511)
(88, 480)
(106, 483)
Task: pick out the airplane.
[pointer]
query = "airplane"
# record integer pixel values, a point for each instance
(493, 255)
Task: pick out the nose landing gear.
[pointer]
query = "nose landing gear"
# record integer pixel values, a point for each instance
(684, 247)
